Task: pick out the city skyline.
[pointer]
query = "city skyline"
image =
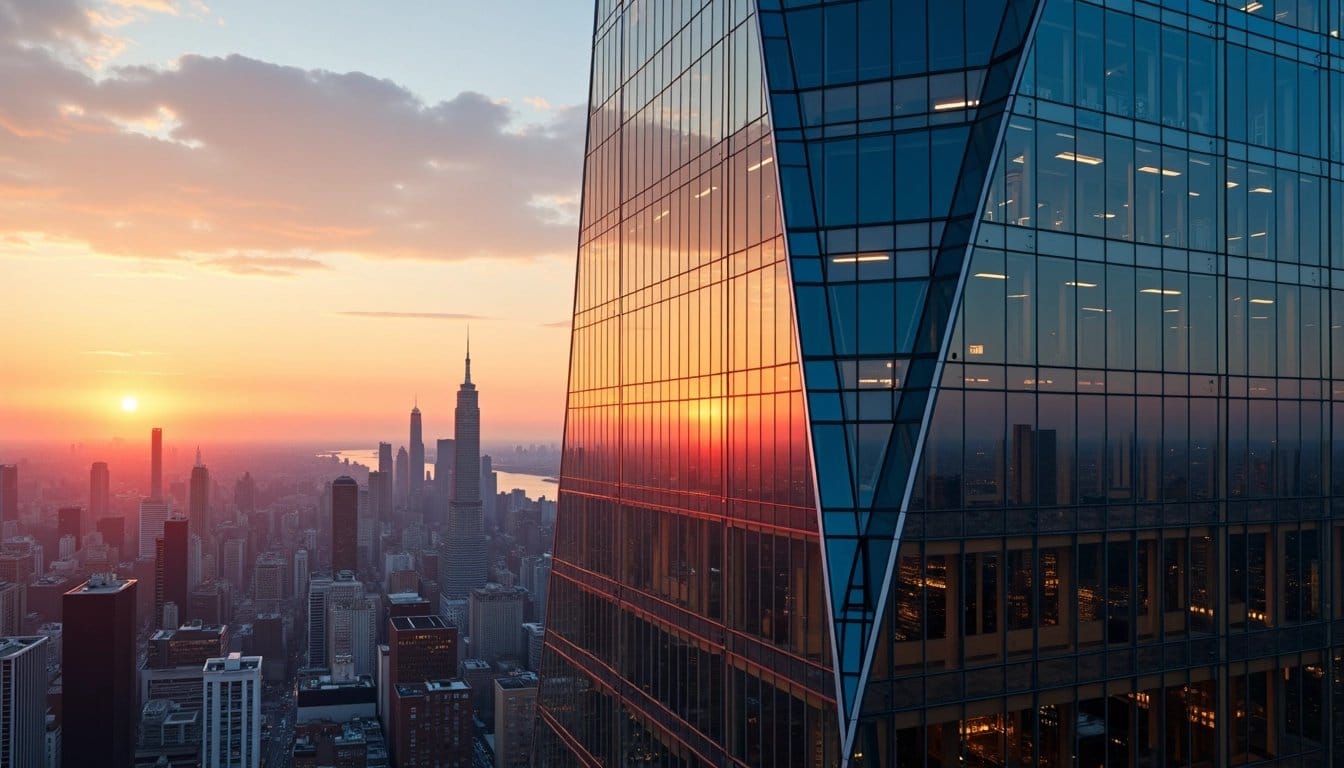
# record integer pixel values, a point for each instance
(267, 284)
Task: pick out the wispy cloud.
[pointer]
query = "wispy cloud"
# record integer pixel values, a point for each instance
(264, 266)
(413, 315)
(556, 324)
(121, 353)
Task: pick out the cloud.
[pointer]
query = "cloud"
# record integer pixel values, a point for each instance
(122, 353)
(264, 265)
(413, 315)
(222, 161)
(557, 324)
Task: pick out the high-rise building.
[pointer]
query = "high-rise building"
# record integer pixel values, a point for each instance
(69, 522)
(444, 456)
(98, 654)
(421, 648)
(402, 487)
(432, 724)
(380, 510)
(515, 718)
(175, 658)
(319, 588)
(23, 701)
(966, 366)
(270, 573)
(9, 493)
(198, 508)
(496, 622)
(113, 530)
(385, 458)
(301, 573)
(463, 567)
(417, 459)
(534, 634)
(245, 494)
(344, 524)
(170, 568)
(232, 713)
(534, 575)
(99, 490)
(156, 464)
(153, 514)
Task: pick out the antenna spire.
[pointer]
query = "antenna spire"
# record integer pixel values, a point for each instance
(468, 380)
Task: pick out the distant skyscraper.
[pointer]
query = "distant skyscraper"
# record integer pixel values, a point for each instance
(417, 459)
(98, 661)
(23, 701)
(463, 567)
(9, 493)
(13, 607)
(401, 488)
(70, 522)
(385, 458)
(245, 494)
(319, 589)
(380, 508)
(232, 714)
(170, 567)
(113, 530)
(444, 456)
(99, 494)
(152, 516)
(198, 508)
(156, 464)
(496, 622)
(344, 524)
(302, 571)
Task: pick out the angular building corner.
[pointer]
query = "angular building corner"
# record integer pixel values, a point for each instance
(951, 385)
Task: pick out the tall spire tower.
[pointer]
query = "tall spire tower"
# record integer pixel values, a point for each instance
(417, 459)
(463, 567)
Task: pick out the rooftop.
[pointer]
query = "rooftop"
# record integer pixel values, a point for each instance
(102, 584)
(399, 598)
(517, 682)
(12, 646)
(420, 622)
(234, 662)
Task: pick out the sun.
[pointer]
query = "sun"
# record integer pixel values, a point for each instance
(129, 404)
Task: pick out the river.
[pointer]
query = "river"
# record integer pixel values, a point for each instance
(535, 486)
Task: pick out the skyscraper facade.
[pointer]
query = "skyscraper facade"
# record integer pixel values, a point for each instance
(344, 524)
(974, 365)
(23, 700)
(198, 508)
(9, 492)
(99, 494)
(70, 522)
(232, 722)
(417, 459)
(462, 568)
(170, 569)
(156, 463)
(98, 653)
(402, 487)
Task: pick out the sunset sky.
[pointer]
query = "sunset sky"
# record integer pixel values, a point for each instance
(275, 220)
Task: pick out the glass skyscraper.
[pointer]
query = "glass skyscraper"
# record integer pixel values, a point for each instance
(952, 384)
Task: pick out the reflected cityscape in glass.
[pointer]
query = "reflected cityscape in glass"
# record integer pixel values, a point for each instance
(952, 384)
